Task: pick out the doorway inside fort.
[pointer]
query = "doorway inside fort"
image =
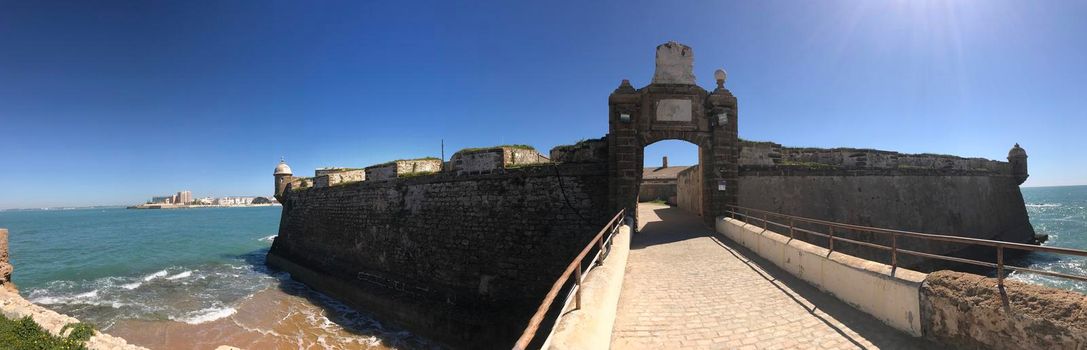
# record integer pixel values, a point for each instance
(671, 177)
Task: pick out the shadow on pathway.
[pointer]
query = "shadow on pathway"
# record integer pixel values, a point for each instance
(688, 286)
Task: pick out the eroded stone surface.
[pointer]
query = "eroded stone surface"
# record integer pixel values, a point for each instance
(674, 110)
(5, 263)
(969, 311)
(14, 306)
(675, 64)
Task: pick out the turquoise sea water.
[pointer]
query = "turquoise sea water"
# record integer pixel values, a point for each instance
(1060, 212)
(102, 265)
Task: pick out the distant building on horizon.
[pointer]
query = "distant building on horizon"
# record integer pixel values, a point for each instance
(183, 197)
(234, 201)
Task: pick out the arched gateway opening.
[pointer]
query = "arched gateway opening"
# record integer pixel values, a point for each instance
(673, 107)
(672, 176)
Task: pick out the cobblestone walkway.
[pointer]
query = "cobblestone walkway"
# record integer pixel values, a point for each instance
(687, 287)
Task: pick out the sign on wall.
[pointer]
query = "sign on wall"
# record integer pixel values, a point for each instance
(674, 110)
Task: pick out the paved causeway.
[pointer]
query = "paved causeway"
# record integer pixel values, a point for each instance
(688, 287)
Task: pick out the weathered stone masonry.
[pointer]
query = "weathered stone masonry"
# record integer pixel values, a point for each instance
(672, 107)
(941, 194)
(462, 259)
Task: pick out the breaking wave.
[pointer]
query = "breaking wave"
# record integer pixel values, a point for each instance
(206, 315)
(191, 295)
(180, 275)
(155, 275)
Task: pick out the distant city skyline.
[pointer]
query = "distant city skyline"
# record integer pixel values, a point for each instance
(109, 103)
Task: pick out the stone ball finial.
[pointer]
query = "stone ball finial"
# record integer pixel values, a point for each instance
(720, 75)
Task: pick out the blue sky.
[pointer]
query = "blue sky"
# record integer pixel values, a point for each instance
(111, 103)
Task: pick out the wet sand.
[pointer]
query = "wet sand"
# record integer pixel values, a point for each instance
(272, 319)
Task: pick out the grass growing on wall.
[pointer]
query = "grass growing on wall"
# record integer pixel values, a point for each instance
(807, 165)
(25, 334)
(514, 146)
(417, 174)
(578, 144)
(401, 160)
(519, 166)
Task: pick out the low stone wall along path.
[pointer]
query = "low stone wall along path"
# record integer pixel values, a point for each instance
(688, 287)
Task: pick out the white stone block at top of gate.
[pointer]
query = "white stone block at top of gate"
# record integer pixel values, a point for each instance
(675, 64)
(674, 110)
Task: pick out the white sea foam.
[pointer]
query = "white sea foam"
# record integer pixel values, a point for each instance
(206, 315)
(89, 298)
(87, 295)
(131, 286)
(267, 239)
(155, 275)
(1042, 205)
(180, 275)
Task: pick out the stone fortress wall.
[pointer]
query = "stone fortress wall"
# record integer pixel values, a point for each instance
(689, 190)
(759, 155)
(928, 193)
(462, 253)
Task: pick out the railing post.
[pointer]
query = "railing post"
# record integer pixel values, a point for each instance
(894, 251)
(791, 224)
(831, 238)
(764, 221)
(1000, 265)
(577, 284)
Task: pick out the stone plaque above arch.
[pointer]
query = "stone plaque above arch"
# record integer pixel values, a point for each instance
(674, 110)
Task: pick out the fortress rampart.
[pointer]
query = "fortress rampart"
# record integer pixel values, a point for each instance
(941, 194)
(462, 251)
(461, 257)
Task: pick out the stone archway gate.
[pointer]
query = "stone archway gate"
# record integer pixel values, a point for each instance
(673, 107)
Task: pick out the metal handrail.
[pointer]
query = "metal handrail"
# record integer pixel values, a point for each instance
(604, 243)
(895, 250)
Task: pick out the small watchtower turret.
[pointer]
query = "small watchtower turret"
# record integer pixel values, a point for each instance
(1017, 158)
(283, 177)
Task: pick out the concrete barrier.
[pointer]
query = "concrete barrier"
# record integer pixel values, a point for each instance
(590, 327)
(866, 285)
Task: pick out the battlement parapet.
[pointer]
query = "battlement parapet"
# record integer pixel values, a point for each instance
(403, 167)
(490, 159)
(336, 170)
(585, 151)
(769, 156)
(334, 176)
(299, 183)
